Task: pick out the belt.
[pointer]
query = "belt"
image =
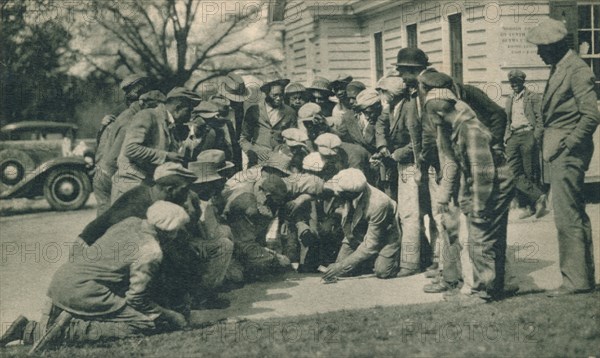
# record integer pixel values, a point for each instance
(521, 129)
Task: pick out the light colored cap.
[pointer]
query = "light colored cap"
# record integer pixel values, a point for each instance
(348, 180)
(308, 111)
(294, 137)
(367, 98)
(394, 85)
(547, 32)
(131, 80)
(327, 143)
(167, 216)
(313, 162)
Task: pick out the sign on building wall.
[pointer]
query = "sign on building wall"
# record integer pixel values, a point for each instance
(515, 50)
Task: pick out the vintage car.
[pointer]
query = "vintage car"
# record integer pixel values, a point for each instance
(38, 158)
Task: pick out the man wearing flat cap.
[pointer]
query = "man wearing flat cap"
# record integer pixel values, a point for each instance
(358, 125)
(371, 231)
(319, 93)
(264, 122)
(111, 297)
(570, 116)
(110, 139)
(150, 140)
(338, 87)
(523, 134)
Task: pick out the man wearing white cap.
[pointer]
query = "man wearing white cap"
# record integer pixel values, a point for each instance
(370, 225)
(110, 297)
(570, 116)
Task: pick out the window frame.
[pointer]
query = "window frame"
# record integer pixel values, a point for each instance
(593, 30)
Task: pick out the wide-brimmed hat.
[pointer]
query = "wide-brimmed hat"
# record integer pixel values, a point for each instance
(233, 88)
(266, 87)
(278, 161)
(411, 56)
(341, 79)
(131, 80)
(172, 168)
(205, 169)
(321, 84)
(294, 87)
(215, 156)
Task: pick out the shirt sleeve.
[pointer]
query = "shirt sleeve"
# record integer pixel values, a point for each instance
(135, 138)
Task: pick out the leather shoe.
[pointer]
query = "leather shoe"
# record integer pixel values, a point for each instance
(540, 206)
(440, 287)
(404, 272)
(433, 266)
(14, 332)
(561, 291)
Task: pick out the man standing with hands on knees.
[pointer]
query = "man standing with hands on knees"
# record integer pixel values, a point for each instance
(570, 116)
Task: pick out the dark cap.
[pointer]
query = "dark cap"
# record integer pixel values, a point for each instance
(182, 92)
(411, 56)
(436, 79)
(516, 75)
(279, 82)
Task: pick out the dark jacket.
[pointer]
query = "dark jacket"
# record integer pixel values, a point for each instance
(349, 131)
(115, 137)
(257, 130)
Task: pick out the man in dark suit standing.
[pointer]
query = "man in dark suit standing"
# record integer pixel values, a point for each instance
(523, 133)
(570, 116)
(264, 122)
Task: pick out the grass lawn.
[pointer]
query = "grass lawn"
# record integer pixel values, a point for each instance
(527, 326)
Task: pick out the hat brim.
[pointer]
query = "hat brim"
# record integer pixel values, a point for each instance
(326, 151)
(283, 82)
(236, 97)
(208, 178)
(295, 143)
(228, 165)
(411, 64)
(206, 115)
(327, 92)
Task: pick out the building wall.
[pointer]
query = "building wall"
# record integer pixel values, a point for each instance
(332, 41)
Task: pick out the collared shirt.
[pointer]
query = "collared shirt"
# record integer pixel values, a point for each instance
(518, 118)
(170, 118)
(274, 114)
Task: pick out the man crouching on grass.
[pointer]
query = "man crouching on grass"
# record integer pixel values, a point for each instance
(108, 296)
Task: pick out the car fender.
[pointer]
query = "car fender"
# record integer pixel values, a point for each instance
(41, 171)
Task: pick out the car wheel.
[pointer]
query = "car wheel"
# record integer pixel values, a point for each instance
(67, 189)
(14, 166)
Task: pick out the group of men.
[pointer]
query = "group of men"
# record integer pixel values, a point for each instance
(334, 178)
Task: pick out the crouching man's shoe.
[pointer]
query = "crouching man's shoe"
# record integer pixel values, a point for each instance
(466, 299)
(562, 291)
(15, 331)
(404, 272)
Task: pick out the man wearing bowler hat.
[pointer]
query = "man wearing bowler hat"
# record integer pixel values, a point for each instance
(264, 122)
(110, 139)
(523, 134)
(570, 116)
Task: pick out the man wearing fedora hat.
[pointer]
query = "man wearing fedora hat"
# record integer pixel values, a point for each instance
(110, 138)
(295, 95)
(150, 141)
(234, 89)
(570, 116)
(264, 122)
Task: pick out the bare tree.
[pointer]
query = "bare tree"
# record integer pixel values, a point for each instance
(175, 41)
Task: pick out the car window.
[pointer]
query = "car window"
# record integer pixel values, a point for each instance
(54, 136)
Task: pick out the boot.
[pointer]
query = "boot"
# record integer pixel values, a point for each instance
(14, 332)
(404, 272)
